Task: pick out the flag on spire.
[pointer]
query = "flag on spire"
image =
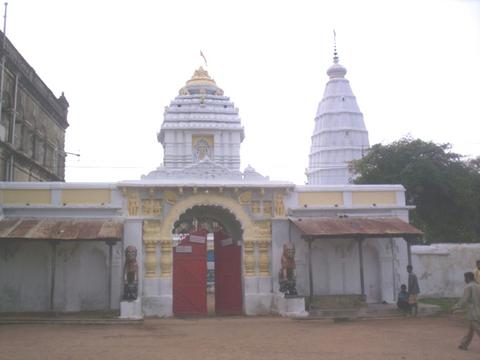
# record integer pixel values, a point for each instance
(204, 58)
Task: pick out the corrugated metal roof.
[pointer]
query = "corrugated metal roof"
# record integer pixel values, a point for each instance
(64, 229)
(355, 227)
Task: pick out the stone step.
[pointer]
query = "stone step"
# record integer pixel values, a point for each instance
(337, 302)
(68, 321)
(372, 311)
(334, 313)
(352, 314)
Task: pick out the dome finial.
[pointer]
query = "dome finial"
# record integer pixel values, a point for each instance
(336, 70)
(335, 54)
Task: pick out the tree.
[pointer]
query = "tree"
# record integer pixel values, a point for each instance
(444, 188)
(475, 163)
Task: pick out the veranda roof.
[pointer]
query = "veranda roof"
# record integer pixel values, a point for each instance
(60, 229)
(329, 227)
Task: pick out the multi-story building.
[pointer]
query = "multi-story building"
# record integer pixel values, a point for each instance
(32, 122)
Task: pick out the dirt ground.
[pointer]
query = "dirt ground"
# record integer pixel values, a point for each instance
(242, 338)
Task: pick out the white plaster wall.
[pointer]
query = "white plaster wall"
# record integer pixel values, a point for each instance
(81, 276)
(24, 276)
(440, 267)
(81, 282)
(336, 266)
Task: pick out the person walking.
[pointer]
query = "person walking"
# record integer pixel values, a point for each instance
(477, 272)
(471, 299)
(413, 290)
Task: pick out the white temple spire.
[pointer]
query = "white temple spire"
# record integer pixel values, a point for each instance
(340, 135)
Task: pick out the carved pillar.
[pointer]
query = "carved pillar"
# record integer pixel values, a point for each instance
(150, 258)
(279, 206)
(166, 257)
(264, 257)
(151, 230)
(133, 204)
(263, 235)
(249, 257)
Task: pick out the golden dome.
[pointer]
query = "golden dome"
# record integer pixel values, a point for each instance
(201, 77)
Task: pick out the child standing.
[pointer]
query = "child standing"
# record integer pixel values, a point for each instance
(402, 302)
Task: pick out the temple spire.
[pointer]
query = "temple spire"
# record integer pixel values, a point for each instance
(335, 53)
(340, 134)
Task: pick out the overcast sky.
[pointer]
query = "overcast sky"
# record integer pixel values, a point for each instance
(414, 67)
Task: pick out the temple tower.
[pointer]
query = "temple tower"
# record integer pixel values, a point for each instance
(201, 124)
(340, 135)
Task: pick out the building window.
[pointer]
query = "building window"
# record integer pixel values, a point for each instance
(55, 160)
(39, 150)
(61, 164)
(3, 132)
(19, 135)
(49, 157)
(29, 143)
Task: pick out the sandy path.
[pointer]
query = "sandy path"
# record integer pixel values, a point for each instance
(242, 338)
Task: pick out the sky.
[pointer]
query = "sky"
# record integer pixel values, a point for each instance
(414, 67)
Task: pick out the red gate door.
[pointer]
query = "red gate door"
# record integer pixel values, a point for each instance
(228, 277)
(190, 275)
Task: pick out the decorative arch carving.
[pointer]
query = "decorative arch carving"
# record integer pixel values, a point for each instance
(224, 202)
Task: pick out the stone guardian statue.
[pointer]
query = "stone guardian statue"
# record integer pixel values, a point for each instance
(130, 274)
(286, 276)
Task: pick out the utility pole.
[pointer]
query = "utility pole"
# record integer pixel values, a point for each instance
(2, 79)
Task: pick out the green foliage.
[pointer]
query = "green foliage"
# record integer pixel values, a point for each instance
(444, 188)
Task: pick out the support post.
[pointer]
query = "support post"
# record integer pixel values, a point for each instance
(360, 255)
(310, 270)
(110, 244)
(394, 279)
(409, 251)
(52, 273)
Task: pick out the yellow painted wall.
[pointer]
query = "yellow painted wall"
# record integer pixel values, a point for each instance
(86, 196)
(25, 196)
(320, 198)
(374, 197)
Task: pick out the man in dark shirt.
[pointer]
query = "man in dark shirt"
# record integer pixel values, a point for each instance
(413, 290)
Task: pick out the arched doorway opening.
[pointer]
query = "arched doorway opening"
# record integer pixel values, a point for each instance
(207, 271)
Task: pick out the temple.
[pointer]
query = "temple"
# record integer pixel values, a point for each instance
(340, 135)
(155, 245)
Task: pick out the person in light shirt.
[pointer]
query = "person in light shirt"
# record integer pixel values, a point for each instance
(477, 272)
(471, 300)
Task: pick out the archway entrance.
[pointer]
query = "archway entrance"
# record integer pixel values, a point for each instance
(207, 271)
